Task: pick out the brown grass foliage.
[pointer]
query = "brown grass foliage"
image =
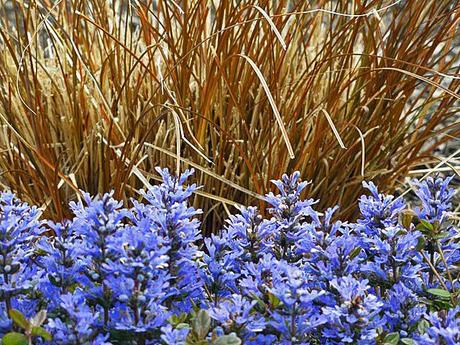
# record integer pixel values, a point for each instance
(94, 94)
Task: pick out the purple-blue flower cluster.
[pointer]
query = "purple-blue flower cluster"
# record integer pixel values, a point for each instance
(144, 274)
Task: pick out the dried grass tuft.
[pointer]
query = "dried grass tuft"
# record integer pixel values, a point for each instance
(95, 94)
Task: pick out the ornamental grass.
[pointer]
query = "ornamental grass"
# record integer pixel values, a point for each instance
(95, 94)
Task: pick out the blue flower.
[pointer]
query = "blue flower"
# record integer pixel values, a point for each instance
(235, 313)
(169, 214)
(378, 210)
(19, 228)
(292, 216)
(356, 315)
(435, 195)
(172, 336)
(60, 260)
(83, 325)
(403, 310)
(444, 328)
(114, 273)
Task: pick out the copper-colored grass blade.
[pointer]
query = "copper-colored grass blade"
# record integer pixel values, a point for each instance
(273, 105)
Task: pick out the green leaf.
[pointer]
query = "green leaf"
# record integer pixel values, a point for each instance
(439, 293)
(177, 319)
(182, 325)
(407, 217)
(422, 326)
(442, 235)
(259, 301)
(228, 340)
(196, 342)
(408, 341)
(38, 319)
(14, 338)
(427, 224)
(391, 339)
(19, 319)
(354, 253)
(201, 324)
(274, 301)
(420, 243)
(41, 332)
(443, 304)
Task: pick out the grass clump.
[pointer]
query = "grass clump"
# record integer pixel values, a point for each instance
(95, 94)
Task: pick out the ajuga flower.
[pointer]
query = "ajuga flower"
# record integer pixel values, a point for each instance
(172, 336)
(435, 195)
(81, 325)
(443, 328)
(355, 317)
(139, 275)
(378, 211)
(19, 227)
(291, 215)
(169, 215)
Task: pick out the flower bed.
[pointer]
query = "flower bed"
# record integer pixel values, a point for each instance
(144, 275)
